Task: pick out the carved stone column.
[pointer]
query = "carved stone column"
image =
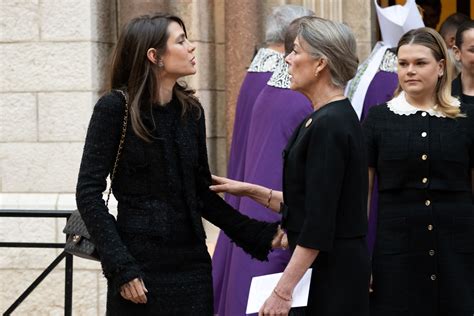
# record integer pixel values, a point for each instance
(243, 24)
(360, 16)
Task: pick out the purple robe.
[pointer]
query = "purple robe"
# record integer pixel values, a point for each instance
(255, 80)
(253, 84)
(276, 113)
(380, 90)
(259, 72)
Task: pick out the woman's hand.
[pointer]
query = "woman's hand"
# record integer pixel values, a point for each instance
(275, 305)
(221, 184)
(280, 240)
(134, 291)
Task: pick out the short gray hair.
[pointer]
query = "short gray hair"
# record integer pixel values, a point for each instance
(280, 19)
(334, 42)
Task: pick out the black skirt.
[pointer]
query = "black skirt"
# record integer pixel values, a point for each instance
(177, 276)
(423, 262)
(340, 281)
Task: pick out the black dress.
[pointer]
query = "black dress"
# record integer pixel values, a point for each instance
(162, 192)
(325, 194)
(423, 261)
(456, 90)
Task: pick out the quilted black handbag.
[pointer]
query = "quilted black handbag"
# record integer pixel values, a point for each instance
(78, 241)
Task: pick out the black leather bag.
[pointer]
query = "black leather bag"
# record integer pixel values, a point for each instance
(78, 241)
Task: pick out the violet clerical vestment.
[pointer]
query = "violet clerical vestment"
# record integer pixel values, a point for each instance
(276, 113)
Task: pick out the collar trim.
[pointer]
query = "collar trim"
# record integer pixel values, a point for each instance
(400, 106)
(264, 61)
(280, 77)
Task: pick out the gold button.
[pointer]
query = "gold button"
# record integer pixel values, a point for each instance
(433, 277)
(423, 113)
(427, 202)
(424, 180)
(430, 227)
(424, 134)
(424, 157)
(308, 122)
(431, 252)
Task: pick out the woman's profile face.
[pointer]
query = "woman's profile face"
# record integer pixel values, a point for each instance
(465, 53)
(301, 67)
(418, 70)
(178, 59)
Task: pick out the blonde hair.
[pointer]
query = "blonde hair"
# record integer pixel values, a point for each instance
(429, 38)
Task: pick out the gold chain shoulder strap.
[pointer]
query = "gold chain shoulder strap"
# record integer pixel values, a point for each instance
(120, 147)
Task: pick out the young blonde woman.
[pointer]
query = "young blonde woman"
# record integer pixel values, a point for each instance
(421, 146)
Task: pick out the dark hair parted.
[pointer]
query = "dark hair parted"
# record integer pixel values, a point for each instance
(466, 26)
(431, 39)
(133, 72)
(452, 22)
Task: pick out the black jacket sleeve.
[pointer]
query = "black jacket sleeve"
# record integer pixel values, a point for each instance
(325, 169)
(99, 154)
(370, 135)
(253, 236)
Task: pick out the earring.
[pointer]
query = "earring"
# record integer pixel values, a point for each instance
(316, 74)
(160, 64)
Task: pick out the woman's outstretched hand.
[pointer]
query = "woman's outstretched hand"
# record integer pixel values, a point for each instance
(226, 185)
(134, 291)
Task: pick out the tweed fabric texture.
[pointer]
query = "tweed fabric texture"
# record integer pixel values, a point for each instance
(162, 189)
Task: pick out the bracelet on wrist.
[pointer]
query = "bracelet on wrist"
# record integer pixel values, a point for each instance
(269, 198)
(281, 296)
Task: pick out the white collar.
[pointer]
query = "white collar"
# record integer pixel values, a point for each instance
(280, 77)
(399, 105)
(265, 60)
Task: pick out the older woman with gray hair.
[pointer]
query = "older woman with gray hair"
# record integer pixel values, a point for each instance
(324, 198)
(233, 269)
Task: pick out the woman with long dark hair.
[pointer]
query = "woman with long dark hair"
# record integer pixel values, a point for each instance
(154, 255)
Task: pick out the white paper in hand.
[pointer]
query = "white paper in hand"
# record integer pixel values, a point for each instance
(262, 286)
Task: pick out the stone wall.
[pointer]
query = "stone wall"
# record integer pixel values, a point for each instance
(53, 60)
(52, 65)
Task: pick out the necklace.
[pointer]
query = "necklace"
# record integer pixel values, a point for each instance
(332, 98)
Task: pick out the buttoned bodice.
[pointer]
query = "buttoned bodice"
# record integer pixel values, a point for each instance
(419, 150)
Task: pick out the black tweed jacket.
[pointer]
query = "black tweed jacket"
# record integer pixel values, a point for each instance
(139, 179)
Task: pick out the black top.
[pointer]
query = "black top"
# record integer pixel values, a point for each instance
(171, 212)
(159, 185)
(417, 151)
(456, 90)
(325, 178)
